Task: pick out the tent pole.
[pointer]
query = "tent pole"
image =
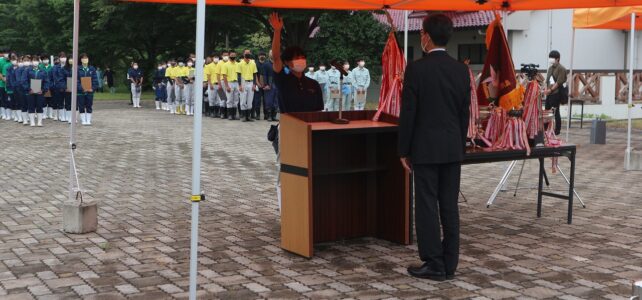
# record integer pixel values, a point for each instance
(74, 99)
(631, 86)
(571, 86)
(196, 147)
(405, 34)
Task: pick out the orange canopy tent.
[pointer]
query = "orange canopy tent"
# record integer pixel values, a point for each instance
(413, 4)
(618, 18)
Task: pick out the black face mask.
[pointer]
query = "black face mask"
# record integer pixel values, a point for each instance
(232, 57)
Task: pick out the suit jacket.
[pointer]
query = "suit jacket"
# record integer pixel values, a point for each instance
(434, 110)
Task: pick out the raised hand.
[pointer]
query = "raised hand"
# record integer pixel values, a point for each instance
(276, 21)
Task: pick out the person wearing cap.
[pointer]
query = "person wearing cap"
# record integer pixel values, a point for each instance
(259, 94)
(230, 75)
(361, 77)
(556, 89)
(135, 76)
(270, 90)
(248, 71)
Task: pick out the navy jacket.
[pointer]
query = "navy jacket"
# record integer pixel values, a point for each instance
(88, 71)
(59, 78)
(37, 73)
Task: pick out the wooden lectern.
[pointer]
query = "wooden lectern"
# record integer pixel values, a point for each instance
(341, 181)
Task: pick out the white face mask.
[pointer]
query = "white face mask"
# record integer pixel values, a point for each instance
(180, 64)
(6, 55)
(215, 60)
(135, 67)
(361, 64)
(311, 70)
(21, 64)
(160, 67)
(298, 65)
(35, 63)
(14, 62)
(322, 68)
(226, 58)
(189, 64)
(63, 60)
(84, 61)
(46, 61)
(27, 63)
(552, 61)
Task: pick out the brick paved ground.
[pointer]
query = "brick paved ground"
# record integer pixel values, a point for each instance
(137, 163)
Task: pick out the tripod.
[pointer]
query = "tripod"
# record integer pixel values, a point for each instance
(509, 170)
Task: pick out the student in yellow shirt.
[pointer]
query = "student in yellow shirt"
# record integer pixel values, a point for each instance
(188, 92)
(247, 71)
(179, 85)
(212, 86)
(230, 75)
(169, 76)
(222, 96)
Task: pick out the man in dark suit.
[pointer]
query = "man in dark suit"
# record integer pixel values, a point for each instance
(432, 143)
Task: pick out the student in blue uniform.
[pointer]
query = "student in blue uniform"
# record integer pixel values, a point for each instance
(269, 88)
(59, 87)
(21, 82)
(67, 99)
(8, 75)
(12, 82)
(135, 76)
(86, 97)
(159, 85)
(45, 65)
(36, 98)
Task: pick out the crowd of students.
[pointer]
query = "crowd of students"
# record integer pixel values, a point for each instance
(32, 88)
(237, 87)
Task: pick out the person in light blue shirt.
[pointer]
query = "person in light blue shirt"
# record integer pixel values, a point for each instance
(323, 78)
(347, 87)
(310, 73)
(361, 82)
(334, 89)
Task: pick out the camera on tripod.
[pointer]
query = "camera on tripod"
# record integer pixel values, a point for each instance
(530, 70)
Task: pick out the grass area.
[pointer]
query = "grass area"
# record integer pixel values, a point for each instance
(622, 124)
(119, 95)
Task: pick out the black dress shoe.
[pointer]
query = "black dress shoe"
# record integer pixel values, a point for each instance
(426, 272)
(450, 276)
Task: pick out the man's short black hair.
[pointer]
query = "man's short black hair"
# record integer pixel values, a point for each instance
(291, 52)
(439, 28)
(554, 54)
(262, 53)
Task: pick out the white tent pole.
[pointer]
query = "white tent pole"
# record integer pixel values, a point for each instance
(74, 96)
(570, 86)
(631, 85)
(405, 34)
(196, 147)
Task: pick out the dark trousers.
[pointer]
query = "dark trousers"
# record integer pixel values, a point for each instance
(35, 103)
(3, 98)
(67, 101)
(86, 103)
(49, 102)
(257, 100)
(271, 99)
(553, 101)
(58, 99)
(21, 101)
(436, 197)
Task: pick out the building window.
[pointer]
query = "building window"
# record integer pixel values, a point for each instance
(475, 52)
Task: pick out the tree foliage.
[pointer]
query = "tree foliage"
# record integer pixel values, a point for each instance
(115, 33)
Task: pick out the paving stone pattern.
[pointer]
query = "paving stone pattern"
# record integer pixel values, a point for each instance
(137, 163)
